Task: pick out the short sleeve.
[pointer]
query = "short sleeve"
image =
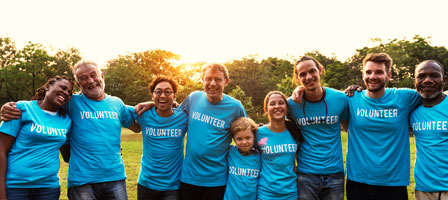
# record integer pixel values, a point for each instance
(345, 113)
(12, 127)
(186, 104)
(126, 116)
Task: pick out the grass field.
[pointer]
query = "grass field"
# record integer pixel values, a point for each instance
(132, 150)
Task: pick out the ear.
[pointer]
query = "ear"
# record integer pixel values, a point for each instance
(174, 98)
(389, 75)
(227, 82)
(47, 87)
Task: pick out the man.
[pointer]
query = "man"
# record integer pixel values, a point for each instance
(210, 114)
(430, 125)
(320, 162)
(378, 156)
(96, 169)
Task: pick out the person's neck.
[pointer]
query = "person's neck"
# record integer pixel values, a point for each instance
(165, 113)
(47, 106)
(314, 95)
(377, 94)
(215, 100)
(277, 126)
(103, 96)
(434, 101)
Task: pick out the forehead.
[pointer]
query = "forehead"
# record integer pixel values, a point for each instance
(374, 66)
(306, 65)
(163, 84)
(428, 67)
(63, 82)
(86, 69)
(209, 73)
(275, 97)
(244, 133)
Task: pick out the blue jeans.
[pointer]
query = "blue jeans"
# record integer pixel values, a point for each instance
(323, 187)
(97, 191)
(33, 193)
(150, 194)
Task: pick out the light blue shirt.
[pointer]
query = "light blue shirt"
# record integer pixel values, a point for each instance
(378, 137)
(208, 138)
(33, 161)
(163, 149)
(243, 175)
(321, 151)
(277, 178)
(430, 126)
(95, 151)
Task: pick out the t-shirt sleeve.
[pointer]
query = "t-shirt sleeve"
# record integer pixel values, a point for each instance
(126, 116)
(12, 127)
(412, 96)
(242, 111)
(344, 114)
(185, 105)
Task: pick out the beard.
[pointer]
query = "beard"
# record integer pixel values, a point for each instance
(376, 89)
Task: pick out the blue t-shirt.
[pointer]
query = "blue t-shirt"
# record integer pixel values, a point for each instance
(243, 175)
(321, 151)
(95, 151)
(378, 137)
(163, 149)
(277, 178)
(33, 161)
(208, 138)
(430, 126)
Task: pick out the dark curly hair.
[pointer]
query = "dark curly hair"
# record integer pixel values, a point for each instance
(40, 92)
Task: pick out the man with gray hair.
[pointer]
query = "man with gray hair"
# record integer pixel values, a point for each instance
(96, 169)
(429, 122)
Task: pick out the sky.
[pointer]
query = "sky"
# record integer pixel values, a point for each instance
(220, 31)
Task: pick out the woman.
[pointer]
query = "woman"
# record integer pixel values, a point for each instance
(29, 156)
(278, 141)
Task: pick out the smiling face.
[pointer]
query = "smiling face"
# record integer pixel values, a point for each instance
(308, 74)
(244, 140)
(163, 97)
(375, 76)
(276, 107)
(58, 94)
(214, 84)
(429, 80)
(91, 82)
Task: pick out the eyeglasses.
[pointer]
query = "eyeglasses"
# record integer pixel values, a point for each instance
(315, 120)
(166, 92)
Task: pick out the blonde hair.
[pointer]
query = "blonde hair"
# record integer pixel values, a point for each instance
(216, 66)
(241, 124)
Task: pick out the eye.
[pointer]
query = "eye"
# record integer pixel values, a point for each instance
(302, 74)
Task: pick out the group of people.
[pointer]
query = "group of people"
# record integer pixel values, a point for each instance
(297, 155)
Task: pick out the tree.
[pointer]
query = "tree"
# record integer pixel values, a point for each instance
(128, 76)
(252, 111)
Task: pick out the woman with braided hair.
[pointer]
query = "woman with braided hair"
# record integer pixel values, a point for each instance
(29, 156)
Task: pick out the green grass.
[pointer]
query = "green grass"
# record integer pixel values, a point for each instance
(132, 151)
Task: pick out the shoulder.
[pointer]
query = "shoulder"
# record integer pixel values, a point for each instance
(179, 113)
(333, 93)
(112, 98)
(230, 100)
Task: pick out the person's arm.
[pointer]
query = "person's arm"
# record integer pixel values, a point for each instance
(143, 107)
(350, 90)
(6, 142)
(344, 124)
(298, 94)
(10, 112)
(135, 127)
(65, 152)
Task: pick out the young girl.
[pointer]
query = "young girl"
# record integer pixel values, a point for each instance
(278, 142)
(243, 160)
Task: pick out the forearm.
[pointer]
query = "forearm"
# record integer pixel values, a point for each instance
(3, 169)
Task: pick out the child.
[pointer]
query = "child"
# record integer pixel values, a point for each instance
(243, 160)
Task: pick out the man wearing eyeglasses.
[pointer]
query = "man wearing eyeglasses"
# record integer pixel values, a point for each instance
(210, 114)
(430, 125)
(320, 163)
(378, 156)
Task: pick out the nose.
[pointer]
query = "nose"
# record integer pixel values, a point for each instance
(308, 76)
(213, 82)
